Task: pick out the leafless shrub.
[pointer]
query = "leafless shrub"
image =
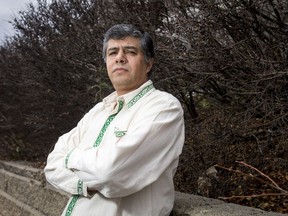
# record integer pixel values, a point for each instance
(226, 61)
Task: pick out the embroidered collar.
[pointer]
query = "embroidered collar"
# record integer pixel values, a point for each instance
(130, 98)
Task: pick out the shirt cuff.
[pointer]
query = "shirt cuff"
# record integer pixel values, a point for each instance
(73, 159)
(82, 189)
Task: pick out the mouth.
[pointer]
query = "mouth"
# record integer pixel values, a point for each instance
(119, 69)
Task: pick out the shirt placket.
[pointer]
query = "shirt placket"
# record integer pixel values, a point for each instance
(102, 132)
(106, 124)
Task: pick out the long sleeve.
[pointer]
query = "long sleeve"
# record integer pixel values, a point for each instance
(56, 171)
(152, 143)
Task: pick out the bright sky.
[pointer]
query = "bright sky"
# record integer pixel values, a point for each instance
(8, 9)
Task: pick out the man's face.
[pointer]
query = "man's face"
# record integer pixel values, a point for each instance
(126, 66)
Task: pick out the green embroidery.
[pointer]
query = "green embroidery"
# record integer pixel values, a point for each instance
(106, 124)
(119, 133)
(74, 198)
(99, 139)
(110, 118)
(80, 187)
(67, 158)
(71, 205)
(140, 95)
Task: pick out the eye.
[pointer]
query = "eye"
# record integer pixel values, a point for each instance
(112, 53)
(131, 52)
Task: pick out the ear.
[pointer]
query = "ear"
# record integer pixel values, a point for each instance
(149, 65)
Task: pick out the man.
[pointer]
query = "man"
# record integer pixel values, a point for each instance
(121, 157)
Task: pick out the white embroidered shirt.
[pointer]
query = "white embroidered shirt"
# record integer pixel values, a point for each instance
(121, 157)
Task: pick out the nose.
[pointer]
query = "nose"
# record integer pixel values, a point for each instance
(121, 58)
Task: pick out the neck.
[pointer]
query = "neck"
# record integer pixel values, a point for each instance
(121, 91)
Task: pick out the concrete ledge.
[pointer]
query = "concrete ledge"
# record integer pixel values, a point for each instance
(23, 169)
(32, 193)
(15, 207)
(24, 191)
(194, 205)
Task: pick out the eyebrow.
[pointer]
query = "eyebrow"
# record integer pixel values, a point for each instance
(125, 47)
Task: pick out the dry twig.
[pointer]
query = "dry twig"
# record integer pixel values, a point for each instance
(270, 182)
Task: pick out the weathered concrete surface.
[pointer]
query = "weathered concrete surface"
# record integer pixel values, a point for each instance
(24, 192)
(193, 205)
(28, 186)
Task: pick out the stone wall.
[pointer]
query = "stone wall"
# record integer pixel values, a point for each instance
(25, 192)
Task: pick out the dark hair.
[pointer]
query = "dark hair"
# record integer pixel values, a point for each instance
(121, 31)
